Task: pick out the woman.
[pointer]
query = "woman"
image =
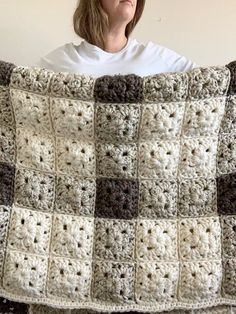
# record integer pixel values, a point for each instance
(107, 48)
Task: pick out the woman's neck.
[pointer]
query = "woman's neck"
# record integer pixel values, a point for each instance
(114, 42)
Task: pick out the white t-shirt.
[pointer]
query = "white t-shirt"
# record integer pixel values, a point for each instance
(135, 57)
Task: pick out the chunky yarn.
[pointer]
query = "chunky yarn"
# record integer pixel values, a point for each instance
(118, 193)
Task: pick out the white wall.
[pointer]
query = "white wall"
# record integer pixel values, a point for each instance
(202, 30)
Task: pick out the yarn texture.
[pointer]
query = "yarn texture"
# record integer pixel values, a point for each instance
(118, 193)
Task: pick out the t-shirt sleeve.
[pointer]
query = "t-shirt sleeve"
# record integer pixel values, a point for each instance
(173, 61)
(42, 63)
(176, 62)
(54, 60)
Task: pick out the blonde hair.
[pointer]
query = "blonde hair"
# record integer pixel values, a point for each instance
(90, 21)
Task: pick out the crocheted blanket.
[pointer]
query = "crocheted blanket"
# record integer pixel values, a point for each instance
(118, 193)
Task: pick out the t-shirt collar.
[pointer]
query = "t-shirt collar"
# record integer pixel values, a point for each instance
(93, 53)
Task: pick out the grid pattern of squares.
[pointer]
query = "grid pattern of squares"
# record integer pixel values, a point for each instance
(118, 193)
